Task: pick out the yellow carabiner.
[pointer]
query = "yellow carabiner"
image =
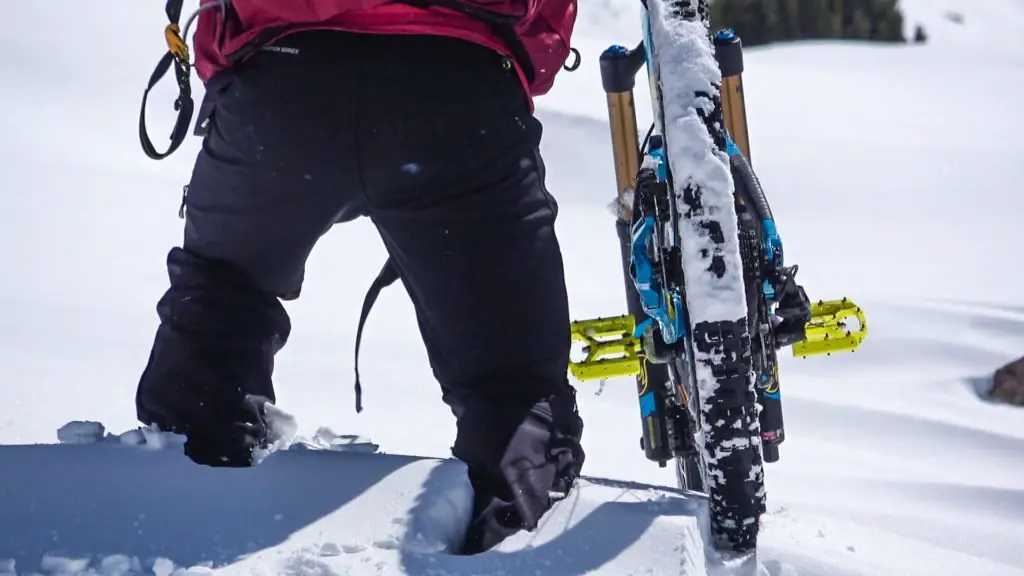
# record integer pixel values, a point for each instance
(175, 44)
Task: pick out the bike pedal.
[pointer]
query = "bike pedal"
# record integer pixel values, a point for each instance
(829, 329)
(610, 347)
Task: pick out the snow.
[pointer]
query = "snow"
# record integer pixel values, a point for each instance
(131, 510)
(126, 506)
(892, 175)
(80, 432)
(687, 68)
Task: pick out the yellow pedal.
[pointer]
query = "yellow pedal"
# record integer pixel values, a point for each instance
(829, 329)
(610, 348)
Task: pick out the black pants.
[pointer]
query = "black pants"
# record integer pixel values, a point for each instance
(433, 140)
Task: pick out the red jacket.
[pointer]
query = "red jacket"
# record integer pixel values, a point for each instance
(544, 28)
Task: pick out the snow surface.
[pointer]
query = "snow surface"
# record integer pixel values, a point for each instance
(892, 175)
(301, 511)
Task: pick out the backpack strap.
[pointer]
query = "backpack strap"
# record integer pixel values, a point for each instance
(386, 277)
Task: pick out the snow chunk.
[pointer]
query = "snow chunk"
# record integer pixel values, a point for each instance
(80, 432)
(327, 439)
(163, 567)
(151, 438)
(283, 426)
(60, 564)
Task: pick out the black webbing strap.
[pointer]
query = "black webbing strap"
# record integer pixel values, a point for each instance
(386, 277)
(173, 10)
(177, 55)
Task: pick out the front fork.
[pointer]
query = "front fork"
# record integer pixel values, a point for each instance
(661, 439)
(615, 347)
(729, 54)
(619, 67)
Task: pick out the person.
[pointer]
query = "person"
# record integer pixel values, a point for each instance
(419, 116)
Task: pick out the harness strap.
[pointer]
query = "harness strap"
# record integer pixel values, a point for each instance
(184, 105)
(177, 54)
(173, 10)
(386, 277)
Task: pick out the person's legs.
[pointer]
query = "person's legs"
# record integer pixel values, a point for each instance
(276, 169)
(437, 134)
(455, 183)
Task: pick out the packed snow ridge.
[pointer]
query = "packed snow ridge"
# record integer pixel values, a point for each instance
(117, 504)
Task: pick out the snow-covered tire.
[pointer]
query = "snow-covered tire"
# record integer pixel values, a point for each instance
(689, 109)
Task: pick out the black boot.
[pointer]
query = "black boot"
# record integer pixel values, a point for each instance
(213, 353)
(515, 486)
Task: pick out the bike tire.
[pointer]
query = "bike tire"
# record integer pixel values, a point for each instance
(688, 110)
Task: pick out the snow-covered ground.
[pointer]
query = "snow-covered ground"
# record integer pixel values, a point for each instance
(892, 174)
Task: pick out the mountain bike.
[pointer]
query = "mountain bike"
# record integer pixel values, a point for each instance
(709, 299)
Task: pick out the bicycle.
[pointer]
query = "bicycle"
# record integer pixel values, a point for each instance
(709, 299)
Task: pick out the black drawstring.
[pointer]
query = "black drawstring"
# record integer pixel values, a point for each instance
(387, 276)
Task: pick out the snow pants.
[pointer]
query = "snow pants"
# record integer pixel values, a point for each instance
(432, 139)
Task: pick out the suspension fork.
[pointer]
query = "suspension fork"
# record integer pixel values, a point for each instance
(729, 54)
(619, 67)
